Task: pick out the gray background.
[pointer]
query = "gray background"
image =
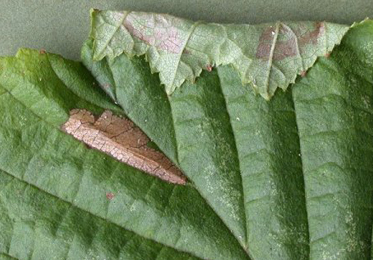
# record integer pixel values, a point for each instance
(61, 26)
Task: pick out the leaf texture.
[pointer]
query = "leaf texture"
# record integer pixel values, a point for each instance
(58, 198)
(285, 176)
(334, 114)
(285, 179)
(268, 56)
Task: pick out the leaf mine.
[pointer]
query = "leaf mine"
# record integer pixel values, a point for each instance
(267, 56)
(121, 139)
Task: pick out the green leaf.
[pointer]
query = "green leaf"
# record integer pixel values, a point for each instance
(291, 177)
(53, 189)
(268, 56)
(148, 104)
(243, 192)
(6, 257)
(334, 115)
(286, 179)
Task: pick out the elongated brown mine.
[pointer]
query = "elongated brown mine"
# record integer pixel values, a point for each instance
(121, 139)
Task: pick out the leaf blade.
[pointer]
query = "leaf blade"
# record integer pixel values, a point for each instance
(334, 116)
(179, 49)
(43, 156)
(266, 137)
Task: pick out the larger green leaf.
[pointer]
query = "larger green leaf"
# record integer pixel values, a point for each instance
(335, 121)
(253, 161)
(53, 189)
(239, 178)
(288, 179)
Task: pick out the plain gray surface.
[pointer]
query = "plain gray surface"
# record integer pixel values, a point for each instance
(61, 26)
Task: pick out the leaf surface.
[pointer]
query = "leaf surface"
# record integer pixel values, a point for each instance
(334, 111)
(268, 56)
(252, 160)
(285, 179)
(242, 180)
(57, 197)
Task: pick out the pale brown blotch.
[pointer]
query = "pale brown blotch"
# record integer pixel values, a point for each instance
(293, 45)
(121, 139)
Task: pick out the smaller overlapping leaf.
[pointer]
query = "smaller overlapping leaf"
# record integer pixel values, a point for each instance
(268, 56)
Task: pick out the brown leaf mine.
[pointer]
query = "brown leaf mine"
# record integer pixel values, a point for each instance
(121, 139)
(288, 42)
